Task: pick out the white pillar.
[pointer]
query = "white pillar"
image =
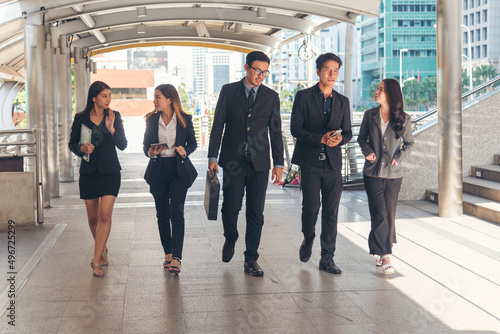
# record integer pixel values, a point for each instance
(81, 86)
(449, 78)
(64, 110)
(52, 137)
(36, 93)
(349, 61)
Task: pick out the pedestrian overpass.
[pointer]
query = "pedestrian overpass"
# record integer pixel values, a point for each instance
(40, 39)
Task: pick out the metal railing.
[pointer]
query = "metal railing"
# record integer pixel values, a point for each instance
(428, 119)
(26, 144)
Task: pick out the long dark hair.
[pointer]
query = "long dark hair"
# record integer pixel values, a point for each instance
(397, 115)
(95, 89)
(170, 92)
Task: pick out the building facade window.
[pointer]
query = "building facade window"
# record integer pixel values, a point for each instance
(485, 15)
(466, 5)
(478, 35)
(471, 3)
(485, 51)
(465, 20)
(465, 38)
(478, 17)
(478, 51)
(472, 36)
(485, 34)
(471, 19)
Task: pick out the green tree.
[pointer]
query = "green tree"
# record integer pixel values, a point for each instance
(483, 73)
(429, 90)
(412, 94)
(465, 81)
(286, 100)
(184, 97)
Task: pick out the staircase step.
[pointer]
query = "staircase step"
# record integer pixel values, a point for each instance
(482, 208)
(482, 188)
(473, 205)
(486, 172)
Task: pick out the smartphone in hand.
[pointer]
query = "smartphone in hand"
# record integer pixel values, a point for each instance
(337, 132)
(159, 145)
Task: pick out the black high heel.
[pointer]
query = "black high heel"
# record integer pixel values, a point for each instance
(175, 269)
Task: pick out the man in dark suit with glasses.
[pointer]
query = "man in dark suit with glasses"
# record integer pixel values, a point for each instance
(250, 113)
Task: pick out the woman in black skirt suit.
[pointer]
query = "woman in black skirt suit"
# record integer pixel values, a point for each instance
(170, 172)
(99, 176)
(386, 138)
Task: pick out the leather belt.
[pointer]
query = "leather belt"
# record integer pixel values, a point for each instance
(322, 156)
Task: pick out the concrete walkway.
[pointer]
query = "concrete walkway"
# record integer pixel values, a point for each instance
(447, 277)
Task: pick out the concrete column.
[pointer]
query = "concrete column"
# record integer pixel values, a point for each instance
(348, 62)
(81, 87)
(52, 137)
(449, 79)
(36, 93)
(87, 73)
(64, 110)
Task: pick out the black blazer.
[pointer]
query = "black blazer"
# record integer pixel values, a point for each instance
(308, 126)
(243, 124)
(104, 158)
(183, 137)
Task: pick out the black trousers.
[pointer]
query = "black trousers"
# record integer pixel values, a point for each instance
(235, 181)
(382, 201)
(321, 178)
(169, 193)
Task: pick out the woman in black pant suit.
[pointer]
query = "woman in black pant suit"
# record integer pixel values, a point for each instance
(99, 176)
(170, 172)
(386, 138)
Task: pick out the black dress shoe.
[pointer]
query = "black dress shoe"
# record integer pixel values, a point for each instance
(227, 251)
(329, 266)
(305, 250)
(253, 268)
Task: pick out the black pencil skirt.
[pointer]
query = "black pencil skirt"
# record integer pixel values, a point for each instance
(99, 184)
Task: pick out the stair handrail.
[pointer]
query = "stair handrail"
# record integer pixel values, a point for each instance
(464, 95)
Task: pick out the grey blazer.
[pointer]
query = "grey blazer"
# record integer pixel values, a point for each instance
(386, 147)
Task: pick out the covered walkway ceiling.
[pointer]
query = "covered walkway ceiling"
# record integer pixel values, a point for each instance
(102, 25)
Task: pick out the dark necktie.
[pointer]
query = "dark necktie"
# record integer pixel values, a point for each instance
(251, 97)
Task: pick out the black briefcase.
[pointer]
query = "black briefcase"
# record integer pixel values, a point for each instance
(212, 189)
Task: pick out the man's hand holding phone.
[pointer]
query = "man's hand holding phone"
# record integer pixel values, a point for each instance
(332, 138)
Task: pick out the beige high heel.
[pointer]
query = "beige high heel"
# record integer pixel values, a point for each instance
(103, 261)
(96, 269)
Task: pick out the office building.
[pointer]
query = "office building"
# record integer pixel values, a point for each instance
(403, 35)
(478, 17)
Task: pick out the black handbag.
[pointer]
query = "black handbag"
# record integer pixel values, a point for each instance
(212, 189)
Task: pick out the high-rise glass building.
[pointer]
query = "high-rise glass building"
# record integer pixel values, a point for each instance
(403, 27)
(479, 17)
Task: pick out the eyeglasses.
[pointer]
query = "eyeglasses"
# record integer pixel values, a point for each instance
(258, 71)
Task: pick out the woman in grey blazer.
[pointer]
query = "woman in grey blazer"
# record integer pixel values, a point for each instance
(386, 138)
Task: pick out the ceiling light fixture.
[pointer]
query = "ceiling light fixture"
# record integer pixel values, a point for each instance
(201, 29)
(98, 35)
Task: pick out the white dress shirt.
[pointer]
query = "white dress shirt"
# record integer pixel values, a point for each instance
(166, 134)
